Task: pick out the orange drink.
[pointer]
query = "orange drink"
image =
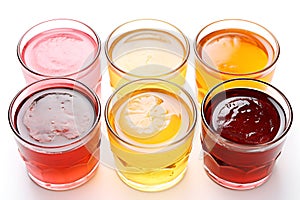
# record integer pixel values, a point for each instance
(230, 49)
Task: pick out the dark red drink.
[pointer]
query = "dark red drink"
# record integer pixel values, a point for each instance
(241, 129)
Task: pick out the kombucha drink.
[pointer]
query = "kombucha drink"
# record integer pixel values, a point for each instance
(233, 53)
(149, 63)
(150, 138)
(60, 51)
(58, 135)
(146, 48)
(241, 134)
(61, 48)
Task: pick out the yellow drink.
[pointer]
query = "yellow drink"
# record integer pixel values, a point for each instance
(146, 48)
(151, 132)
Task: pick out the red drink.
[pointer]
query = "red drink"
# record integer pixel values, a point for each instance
(58, 134)
(242, 136)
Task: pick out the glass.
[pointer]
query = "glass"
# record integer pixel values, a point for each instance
(150, 124)
(61, 48)
(233, 48)
(146, 48)
(56, 124)
(244, 126)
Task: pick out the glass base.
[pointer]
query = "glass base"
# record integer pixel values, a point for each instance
(152, 188)
(65, 186)
(236, 186)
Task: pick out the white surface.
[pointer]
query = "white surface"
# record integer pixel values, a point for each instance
(281, 17)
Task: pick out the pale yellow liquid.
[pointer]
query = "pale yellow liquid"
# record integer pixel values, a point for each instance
(147, 54)
(145, 119)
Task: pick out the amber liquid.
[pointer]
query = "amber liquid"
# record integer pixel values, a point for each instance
(232, 53)
(149, 58)
(147, 119)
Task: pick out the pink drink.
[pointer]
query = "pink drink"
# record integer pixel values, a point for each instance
(61, 48)
(60, 51)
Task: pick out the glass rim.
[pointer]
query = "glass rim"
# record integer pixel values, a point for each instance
(152, 146)
(211, 68)
(42, 147)
(183, 62)
(82, 69)
(246, 147)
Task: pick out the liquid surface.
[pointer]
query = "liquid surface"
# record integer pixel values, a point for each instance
(245, 116)
(55, 117)
(60, 51)
(148, 62)
(150, 117)
(147, 53)
(235, 51)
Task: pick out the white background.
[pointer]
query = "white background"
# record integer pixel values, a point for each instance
(280, 17)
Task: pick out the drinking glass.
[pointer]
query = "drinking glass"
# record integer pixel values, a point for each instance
(61, 48)
(146, 48)
(150, 125)
(245, 123)
(233, 48)
(56, 124)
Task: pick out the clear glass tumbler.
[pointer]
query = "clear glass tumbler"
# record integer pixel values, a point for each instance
(151, 125)
(233, 48)
(61, 48)
(245, 123)
(146, 48)
(56, 124)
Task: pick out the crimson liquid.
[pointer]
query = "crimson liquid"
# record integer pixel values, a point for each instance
(60, 141)
(238, 123)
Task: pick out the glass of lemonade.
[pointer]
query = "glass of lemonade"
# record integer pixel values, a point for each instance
(233, 48)
(146, 48)
(61, 48)
(56, 124)
(245, 123)
(151, 125)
